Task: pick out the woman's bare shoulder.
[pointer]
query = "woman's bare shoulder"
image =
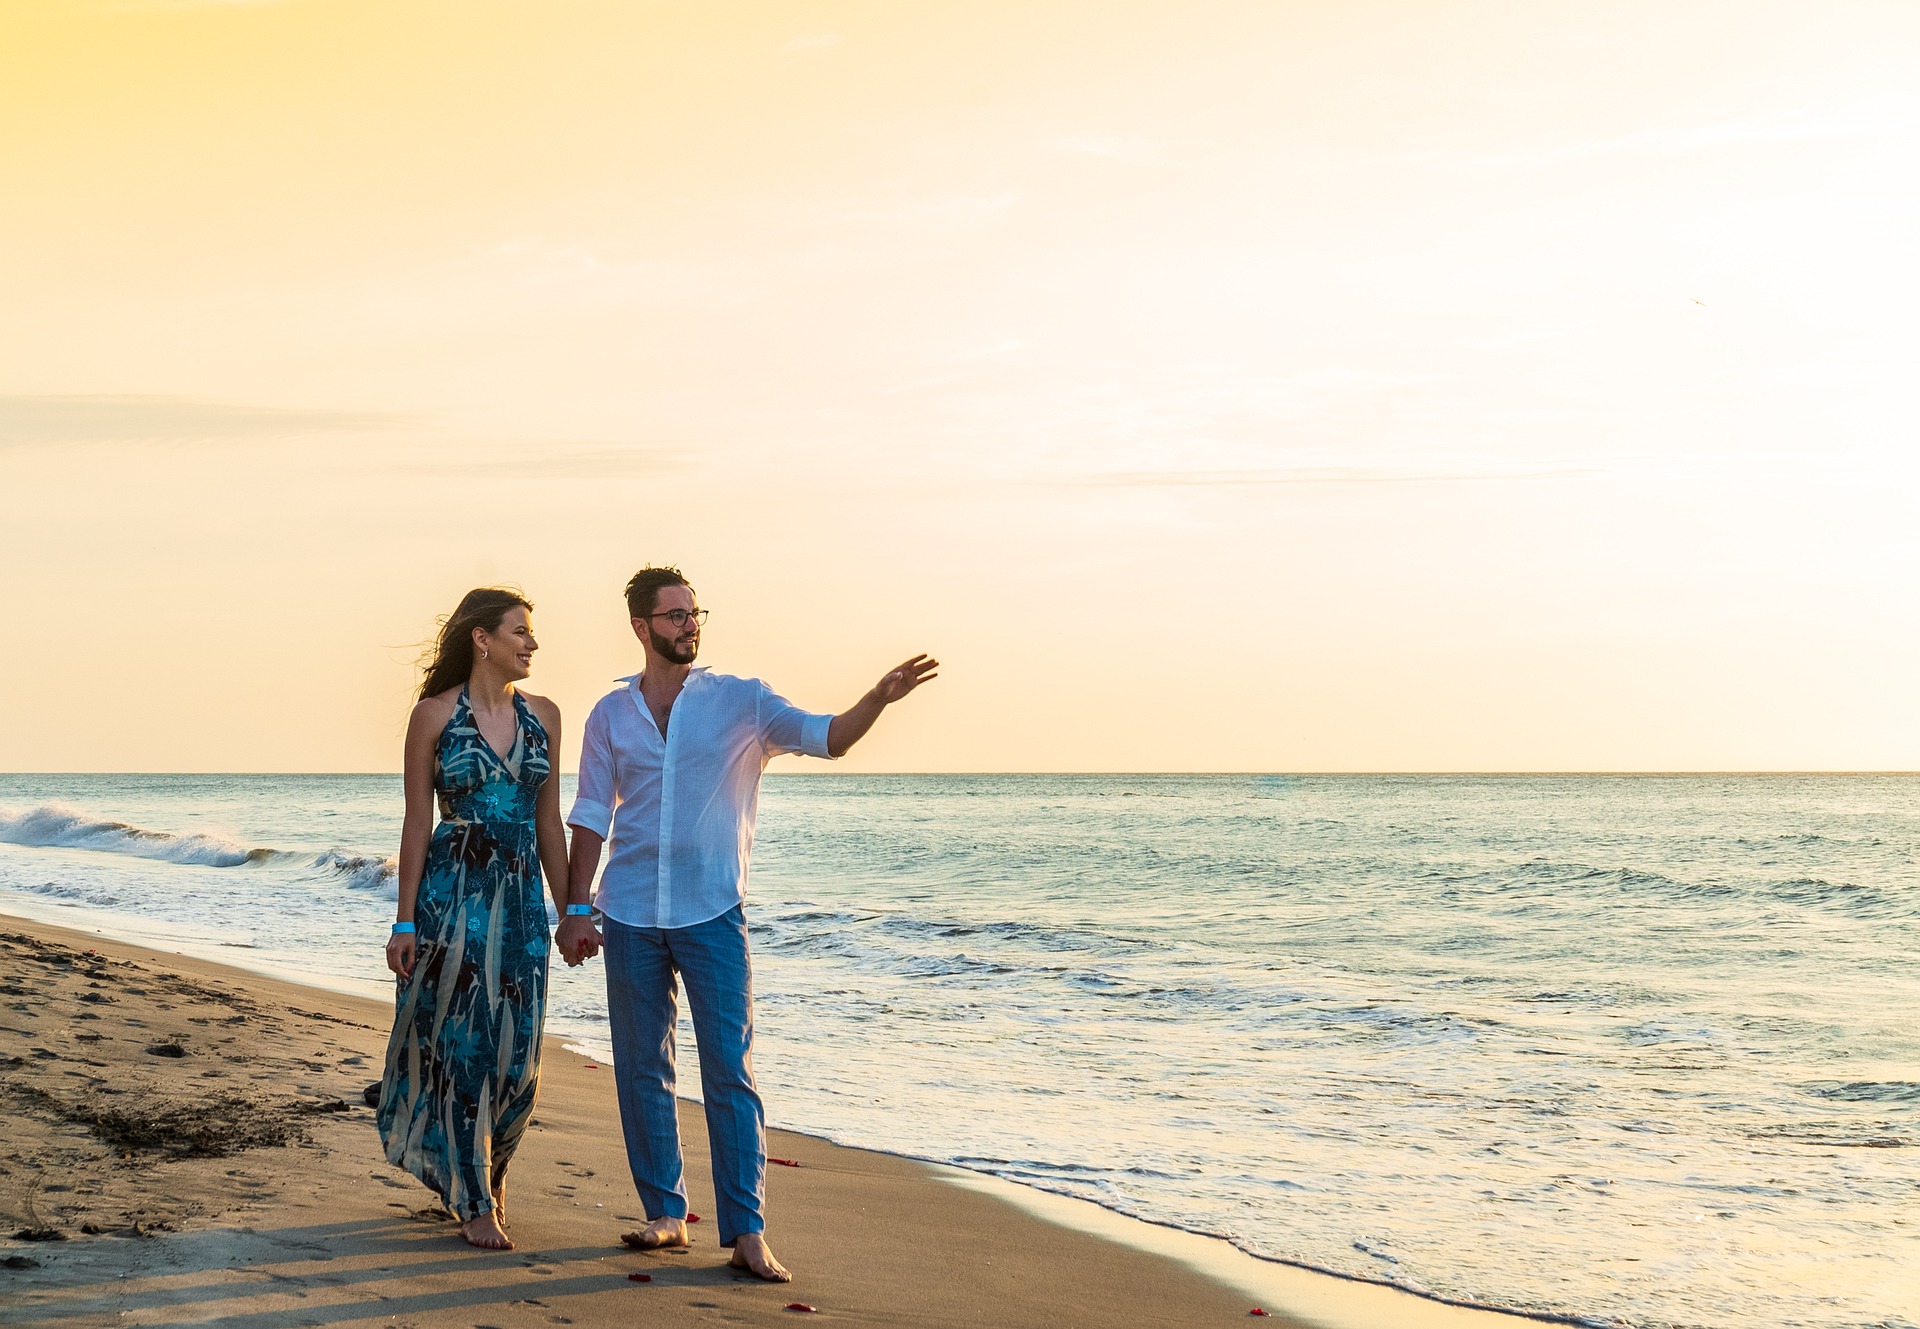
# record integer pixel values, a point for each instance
(435, 710)
(548, 713)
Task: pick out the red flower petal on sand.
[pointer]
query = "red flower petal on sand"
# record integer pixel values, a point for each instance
(693, 1218)
(785, 1162)
(592, 1067)
(639, 1278)
(800, 1306)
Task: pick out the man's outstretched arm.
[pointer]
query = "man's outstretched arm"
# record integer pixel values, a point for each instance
(851, 725)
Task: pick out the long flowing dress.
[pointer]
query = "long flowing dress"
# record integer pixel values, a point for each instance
(463, 1063)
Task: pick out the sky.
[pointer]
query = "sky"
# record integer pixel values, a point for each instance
(1278, 385)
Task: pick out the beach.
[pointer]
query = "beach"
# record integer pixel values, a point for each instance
(187, 1144)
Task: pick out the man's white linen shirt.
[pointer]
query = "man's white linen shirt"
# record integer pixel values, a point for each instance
(678, 812)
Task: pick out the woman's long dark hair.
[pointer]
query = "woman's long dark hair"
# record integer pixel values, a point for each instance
(452, 660)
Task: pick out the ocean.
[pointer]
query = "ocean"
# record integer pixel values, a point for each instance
(1623, 1050)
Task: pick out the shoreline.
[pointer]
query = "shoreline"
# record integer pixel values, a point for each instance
(1159, 1274)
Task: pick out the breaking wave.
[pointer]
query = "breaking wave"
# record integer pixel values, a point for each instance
(56, 827)
(66, 828)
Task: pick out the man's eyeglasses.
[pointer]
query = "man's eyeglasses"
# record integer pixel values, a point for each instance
(679, 617)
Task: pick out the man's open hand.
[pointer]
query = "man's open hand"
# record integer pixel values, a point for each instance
(904, 678)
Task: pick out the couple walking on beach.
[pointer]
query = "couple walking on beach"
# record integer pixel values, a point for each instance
(669, 780)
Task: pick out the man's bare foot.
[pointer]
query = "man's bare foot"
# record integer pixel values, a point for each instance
(750, 1252)
(658, 1235)
(500, 1201)
(484, 1231)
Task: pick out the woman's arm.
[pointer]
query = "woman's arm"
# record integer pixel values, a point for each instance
(423, 734)
(549, 830)
(592, 817)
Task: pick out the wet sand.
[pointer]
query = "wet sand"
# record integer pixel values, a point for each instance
(185, 1143)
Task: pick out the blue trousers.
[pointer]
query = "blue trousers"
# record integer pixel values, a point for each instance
(711, 958)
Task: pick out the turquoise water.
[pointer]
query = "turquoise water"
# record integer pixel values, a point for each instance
(1637, 1050)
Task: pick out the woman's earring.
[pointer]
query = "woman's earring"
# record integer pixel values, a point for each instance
(483, 652)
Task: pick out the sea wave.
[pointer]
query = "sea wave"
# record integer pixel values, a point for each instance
(97, 897)
(1867, 1091)
(361, 871)
(54, 826)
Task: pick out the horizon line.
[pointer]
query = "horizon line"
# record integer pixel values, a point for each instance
(1640, 771)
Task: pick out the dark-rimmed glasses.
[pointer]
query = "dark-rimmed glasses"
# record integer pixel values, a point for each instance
(679, 617)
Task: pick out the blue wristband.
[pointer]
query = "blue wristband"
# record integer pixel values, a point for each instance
(579, 911)
(401, 927)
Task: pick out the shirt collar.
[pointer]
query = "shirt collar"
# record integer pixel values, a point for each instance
(633, 680)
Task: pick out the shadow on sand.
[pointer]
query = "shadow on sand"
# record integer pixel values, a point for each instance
(381, 1270)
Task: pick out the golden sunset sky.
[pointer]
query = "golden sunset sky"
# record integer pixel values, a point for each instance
(1332, 385)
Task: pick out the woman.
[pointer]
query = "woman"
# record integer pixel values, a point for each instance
(470, 943)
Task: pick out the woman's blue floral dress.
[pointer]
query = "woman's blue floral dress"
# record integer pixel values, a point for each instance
(464, 1060)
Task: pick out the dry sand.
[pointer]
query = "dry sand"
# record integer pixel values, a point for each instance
(184, 1143)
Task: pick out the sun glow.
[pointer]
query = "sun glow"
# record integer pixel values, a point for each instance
(1217, 386)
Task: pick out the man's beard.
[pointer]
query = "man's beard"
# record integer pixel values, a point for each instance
(671, 650)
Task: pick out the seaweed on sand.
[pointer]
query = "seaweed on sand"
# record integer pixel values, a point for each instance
(216, 1127)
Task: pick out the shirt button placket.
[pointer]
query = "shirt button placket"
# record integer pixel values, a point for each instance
(663, 892)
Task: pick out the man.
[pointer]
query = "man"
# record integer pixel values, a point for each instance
(671, 765)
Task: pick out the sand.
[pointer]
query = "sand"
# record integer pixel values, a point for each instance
(184, 1143)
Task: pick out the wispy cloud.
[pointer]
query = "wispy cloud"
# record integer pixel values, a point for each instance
(137, 6)
(27, 421)
(1805, 125)
(807, 43)
(1133, 149)
(943, 213)
(572, 271)
(1311, 476)
(545, 461)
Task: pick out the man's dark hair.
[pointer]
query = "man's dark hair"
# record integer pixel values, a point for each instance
(644, 589)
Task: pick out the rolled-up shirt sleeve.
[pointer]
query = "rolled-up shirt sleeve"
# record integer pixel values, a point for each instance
(594, 800)
(783, 727)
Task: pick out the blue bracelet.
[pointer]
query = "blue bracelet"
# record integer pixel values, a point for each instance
(399, 928)
(579, 911)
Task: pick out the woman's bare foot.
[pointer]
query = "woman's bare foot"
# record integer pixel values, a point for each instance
(750, 1252)
(500, 1201)
(484, 1231)
(658, 1235)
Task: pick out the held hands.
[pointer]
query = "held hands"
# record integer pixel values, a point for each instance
(904, 678)
(578, 939)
